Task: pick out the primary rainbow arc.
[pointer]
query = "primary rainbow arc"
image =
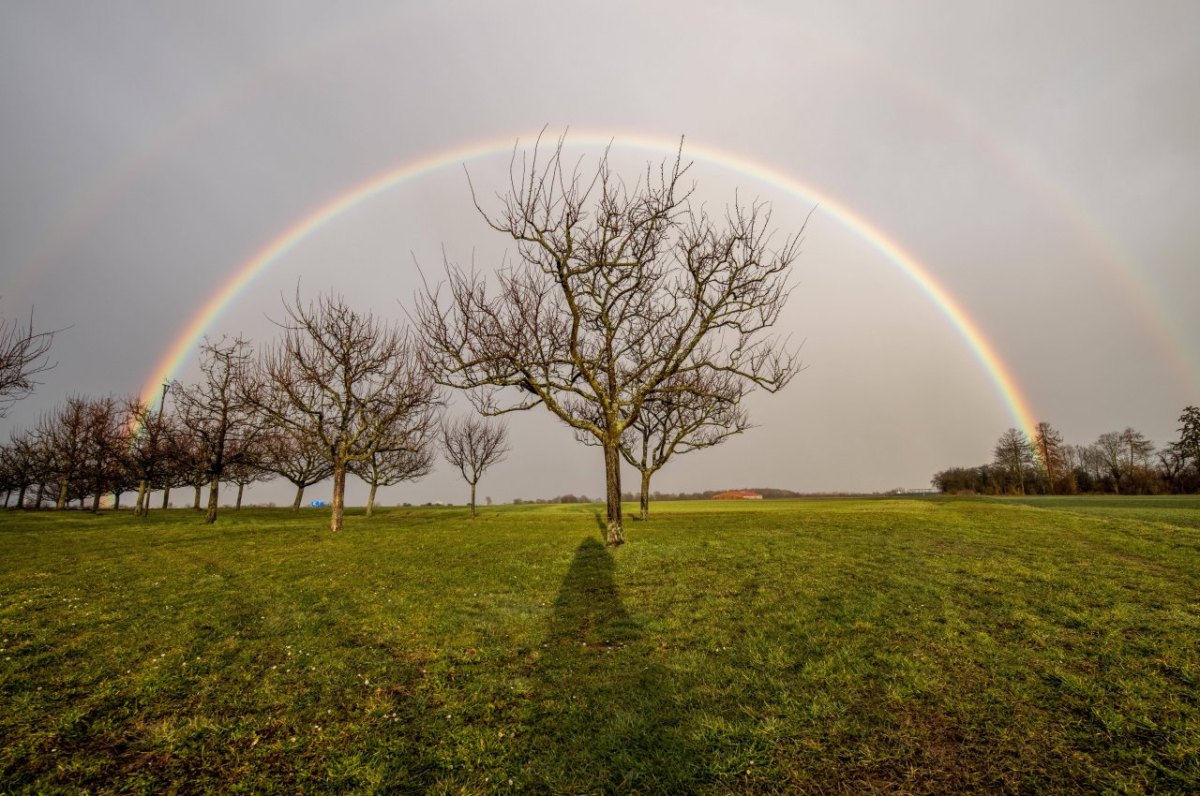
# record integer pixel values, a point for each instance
(185, 343)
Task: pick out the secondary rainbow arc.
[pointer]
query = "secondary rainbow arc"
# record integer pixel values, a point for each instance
(186, 341)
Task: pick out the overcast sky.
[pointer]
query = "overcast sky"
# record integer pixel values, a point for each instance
(1040, 161)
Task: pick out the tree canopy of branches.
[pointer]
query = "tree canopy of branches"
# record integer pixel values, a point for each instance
(23, 355)
(472, 444)
(615, 290)
(219, 414)
(348, 382)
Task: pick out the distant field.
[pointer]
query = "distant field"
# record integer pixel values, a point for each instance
(919, 645)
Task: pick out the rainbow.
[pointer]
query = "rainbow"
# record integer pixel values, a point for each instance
(184, 345)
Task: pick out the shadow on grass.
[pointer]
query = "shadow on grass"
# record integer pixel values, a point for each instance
(604, 714)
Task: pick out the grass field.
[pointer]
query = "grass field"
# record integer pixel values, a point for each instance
(930, 645)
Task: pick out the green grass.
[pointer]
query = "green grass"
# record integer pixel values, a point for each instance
(824, 646)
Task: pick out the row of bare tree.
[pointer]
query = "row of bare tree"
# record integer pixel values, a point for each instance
(1118, 462)
(339, 392)
(630, 313)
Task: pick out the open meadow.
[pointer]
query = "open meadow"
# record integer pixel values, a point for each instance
(924, 645)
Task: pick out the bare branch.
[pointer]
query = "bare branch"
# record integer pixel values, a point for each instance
(23, 355)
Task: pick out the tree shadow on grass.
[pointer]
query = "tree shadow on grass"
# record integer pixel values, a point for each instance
(604, 714)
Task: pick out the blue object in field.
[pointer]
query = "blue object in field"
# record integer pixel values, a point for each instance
(316, 504)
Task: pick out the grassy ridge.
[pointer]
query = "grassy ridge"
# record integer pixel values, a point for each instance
(919, 645)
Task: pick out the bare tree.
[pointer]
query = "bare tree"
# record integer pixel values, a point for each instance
(220, 412)
(244, 473)
(105, 444)
(681, 416)
(1014, 453)
(44, 466)
(65, 430)
(1173, 465)
(616, 289)
(23, 355)
(300, 460)
(1048, 445)
(1189, 434)
(185, 463)
(151, 449)
(1136, 449)
(395, 463)
(1107, 450)
(189, 464)
(21, 462)
(8, 479)
(346, 380)
(472, 444)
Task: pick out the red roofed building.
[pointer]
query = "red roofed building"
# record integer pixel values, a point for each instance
(738, 494)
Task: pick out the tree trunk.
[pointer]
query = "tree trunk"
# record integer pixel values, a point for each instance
(238, 505)
(41, 495)
(7, 495)
(21, 496)
(371, 500)
(142, 506)
(299, 498)
(214, 487)
(339, 496)
(166, 496)
(62, 494)
(116, 501)
(196, 502)
(472, 500)
(96, 500)
(612, 479)
(645, 500)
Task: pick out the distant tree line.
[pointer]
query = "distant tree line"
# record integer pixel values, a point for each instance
(1117, 462)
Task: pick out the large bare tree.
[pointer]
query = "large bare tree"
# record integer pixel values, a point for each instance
(23, 355)
(615, 289)
(472, 444)
(346, 380)
(220, 414)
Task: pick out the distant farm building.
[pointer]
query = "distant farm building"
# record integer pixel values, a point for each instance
(738, 494)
